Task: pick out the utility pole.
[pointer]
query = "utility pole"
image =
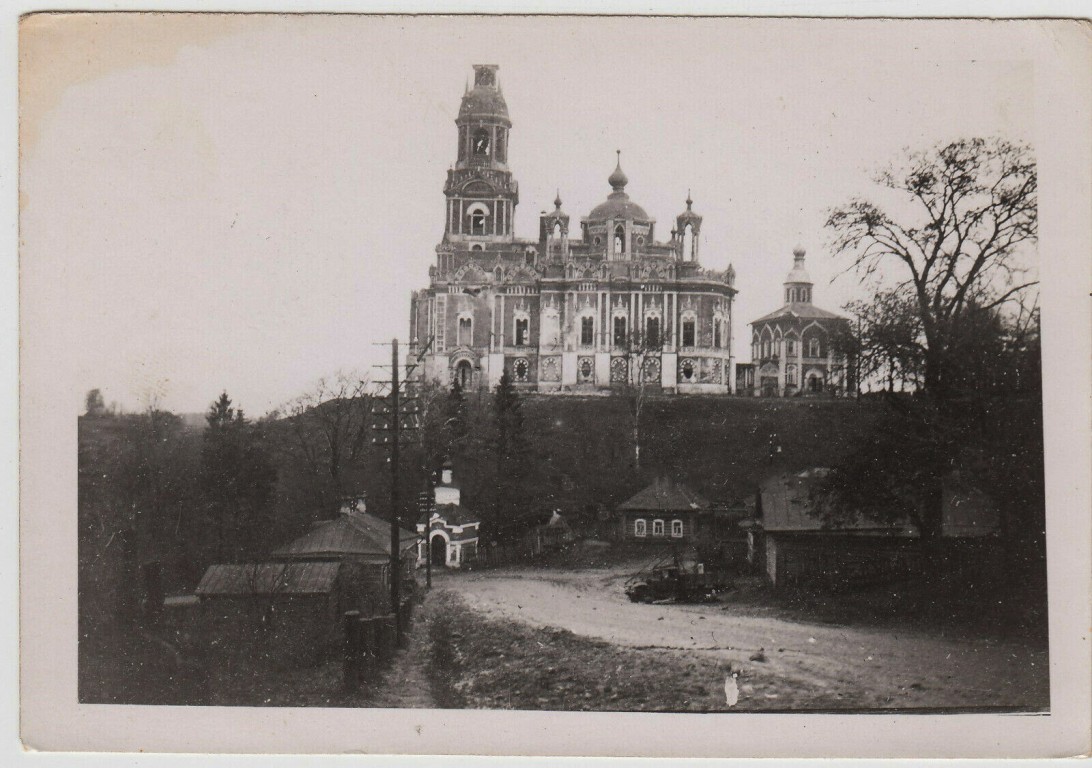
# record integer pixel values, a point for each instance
(395, 411)
(396, 535)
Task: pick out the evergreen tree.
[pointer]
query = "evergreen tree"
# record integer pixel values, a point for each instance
(510, 458)
(238, 478)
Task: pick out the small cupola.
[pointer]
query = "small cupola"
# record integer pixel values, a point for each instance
(446, 491)
(687, 229)
(798, 285)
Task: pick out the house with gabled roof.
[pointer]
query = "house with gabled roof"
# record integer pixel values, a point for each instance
(665, 511)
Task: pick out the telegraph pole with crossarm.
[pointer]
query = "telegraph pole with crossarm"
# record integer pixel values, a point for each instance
(401, 414)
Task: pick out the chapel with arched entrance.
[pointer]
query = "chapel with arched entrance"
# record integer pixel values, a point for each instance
(452, 529)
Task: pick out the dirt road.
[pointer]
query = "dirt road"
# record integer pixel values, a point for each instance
(857, 667)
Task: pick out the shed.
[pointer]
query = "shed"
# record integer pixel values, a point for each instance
(359, 543)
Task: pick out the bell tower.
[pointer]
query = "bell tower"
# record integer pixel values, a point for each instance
(481, 193)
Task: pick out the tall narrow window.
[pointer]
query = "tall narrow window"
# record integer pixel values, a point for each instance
(480, 145)
(688, 332)
(466, 332)
(813, 348)
(521, 331)
(716, 333)
(619, 331)
(790, 347)
(619, 239)
(587, 331)
(652, 332)
(688, 243)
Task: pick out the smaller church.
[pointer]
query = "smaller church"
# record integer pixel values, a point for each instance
(796, 350)
(452, 537)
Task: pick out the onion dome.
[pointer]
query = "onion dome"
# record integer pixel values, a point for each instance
(798, 274)
(618, 205)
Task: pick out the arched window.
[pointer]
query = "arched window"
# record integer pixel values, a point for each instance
(790, 346)
(640, 527)
(676, 529)
(688, 243)
(522, 325)
(652, 332)
(480, 143)
(557, 230)
(688, 333)
(465, 335)
(619, 239)
(813, 347)
(790, 374)
(478, 214)
(657, 527)
(619, 331)
(587, 331)
(502, 142)
(477, 247)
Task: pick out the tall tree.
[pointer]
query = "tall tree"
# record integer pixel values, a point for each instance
(965, 210)
(238, 478)
(945, 268)
(331, 428)
(510, 454)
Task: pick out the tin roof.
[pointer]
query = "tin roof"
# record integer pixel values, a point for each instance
(803, 310)
(667, 495)
(268, 579)
(358, 534)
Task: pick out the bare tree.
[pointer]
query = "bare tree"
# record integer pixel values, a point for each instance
(330, 423)
(965, 210)
(638, 353)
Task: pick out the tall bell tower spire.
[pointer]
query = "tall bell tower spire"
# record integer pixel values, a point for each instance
(481, 193)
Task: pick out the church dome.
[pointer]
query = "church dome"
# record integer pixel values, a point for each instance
(798, 274)
(618, 205)
(483, 101)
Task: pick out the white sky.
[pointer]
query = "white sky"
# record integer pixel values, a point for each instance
(246, 206)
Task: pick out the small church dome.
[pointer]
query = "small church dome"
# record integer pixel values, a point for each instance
(618, 205)
(798, 274)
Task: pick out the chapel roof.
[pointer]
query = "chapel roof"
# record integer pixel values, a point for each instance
(799, 309)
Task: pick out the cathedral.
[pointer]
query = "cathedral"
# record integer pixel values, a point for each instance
(595, 308)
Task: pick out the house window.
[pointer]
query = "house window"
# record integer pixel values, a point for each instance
(619, 331)
(688, 332)
(466, 331)
(587, 331)
(657, 527)
(652, 332)
(521, 331)
(813, 348)
(676, 529)
(640, 528)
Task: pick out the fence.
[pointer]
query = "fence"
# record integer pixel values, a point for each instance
(370, 643)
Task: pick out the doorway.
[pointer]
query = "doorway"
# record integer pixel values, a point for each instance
(438, 550)
(464, 374)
